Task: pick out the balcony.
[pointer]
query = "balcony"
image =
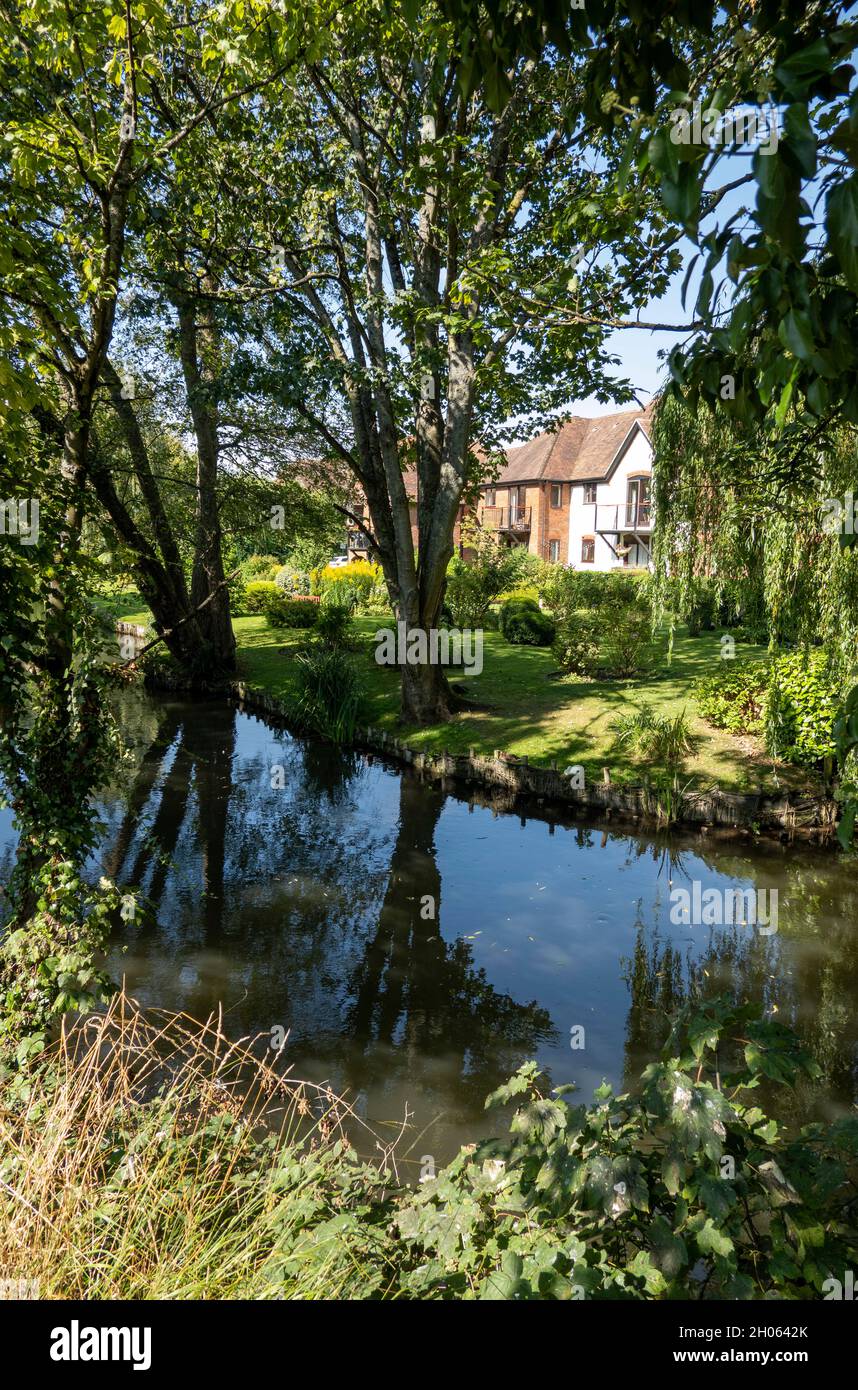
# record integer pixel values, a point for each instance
(624, 516)
(515, 521)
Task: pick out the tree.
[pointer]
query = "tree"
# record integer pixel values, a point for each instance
(79, 105)
(778, 285)
(437, 267)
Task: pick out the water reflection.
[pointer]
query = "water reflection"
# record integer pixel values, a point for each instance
(419, 946)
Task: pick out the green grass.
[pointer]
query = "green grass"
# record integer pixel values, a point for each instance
(526, 706)
(125, 606)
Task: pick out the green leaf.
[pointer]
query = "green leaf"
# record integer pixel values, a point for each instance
(841, 219)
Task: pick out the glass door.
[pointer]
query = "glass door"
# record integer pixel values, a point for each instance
(637, 502)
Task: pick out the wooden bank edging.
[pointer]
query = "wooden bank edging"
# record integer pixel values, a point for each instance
(794, 816)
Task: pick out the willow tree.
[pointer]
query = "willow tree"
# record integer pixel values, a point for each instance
(427, 268)
(766, 516)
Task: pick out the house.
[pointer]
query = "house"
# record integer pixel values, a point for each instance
(357, 540)
(578, 495)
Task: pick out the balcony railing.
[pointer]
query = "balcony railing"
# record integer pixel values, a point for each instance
(625, 516)
(515, 520)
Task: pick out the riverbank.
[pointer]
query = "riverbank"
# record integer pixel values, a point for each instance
(527, 723)
(527, 708)
(141, 1169)
(523, 705)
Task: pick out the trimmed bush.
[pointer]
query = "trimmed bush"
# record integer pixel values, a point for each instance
(257, 594)
(734, 697)
(801, 706)
(524, 624)
(281, 610)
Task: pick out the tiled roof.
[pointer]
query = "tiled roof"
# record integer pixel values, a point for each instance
(581, 449)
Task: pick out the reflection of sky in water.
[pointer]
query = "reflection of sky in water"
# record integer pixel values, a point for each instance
(300, 905)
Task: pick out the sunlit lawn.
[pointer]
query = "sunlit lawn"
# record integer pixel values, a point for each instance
(525, 706)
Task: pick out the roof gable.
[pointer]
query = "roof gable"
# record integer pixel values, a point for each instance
(582, 449)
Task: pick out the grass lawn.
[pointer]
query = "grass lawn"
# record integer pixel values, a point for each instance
(529, 709)
(526, 706)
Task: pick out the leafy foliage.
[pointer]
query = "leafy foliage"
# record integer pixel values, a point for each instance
(330, 697)
(801, 707)
(226, 1179)
(684, 1189)
(733, 697)
(283, 610)
(604, 624)
(475, 583)
(522, 622)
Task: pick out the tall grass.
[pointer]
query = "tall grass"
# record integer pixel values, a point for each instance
(330, 695)
(154, 1159)
(665, 743)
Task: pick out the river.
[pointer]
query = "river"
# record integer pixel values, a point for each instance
(417, 947)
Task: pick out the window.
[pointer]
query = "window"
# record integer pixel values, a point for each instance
(588, 550)
(589, 492)
(490, 497)
(554, 551)
(557, 494)
(637, 502)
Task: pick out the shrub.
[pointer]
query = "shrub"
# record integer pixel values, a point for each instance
(529, 594)
(360, 583)
(330, 693)
(491, 570)
(569, 591)
(801, 706)
(658, 738)
(604, 626)
(522, 623)
(627, 1197)
(174, 1163)
(292, 581)
(578, 645)
(734, 696)
(258, 593)
(259, 567)
(627, 640)
(281, 610)
(334, 623)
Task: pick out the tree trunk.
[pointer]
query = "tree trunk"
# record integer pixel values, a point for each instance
(200, 360)
(426, 695)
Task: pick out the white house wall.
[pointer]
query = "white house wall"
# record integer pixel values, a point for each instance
(613, 492)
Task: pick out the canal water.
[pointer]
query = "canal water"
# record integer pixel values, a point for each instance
(418, 947)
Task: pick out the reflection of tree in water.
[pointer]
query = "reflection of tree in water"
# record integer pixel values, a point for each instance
(377, 989)
(416, 994)
(807, 987)
(192, 758)
(202, 743)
